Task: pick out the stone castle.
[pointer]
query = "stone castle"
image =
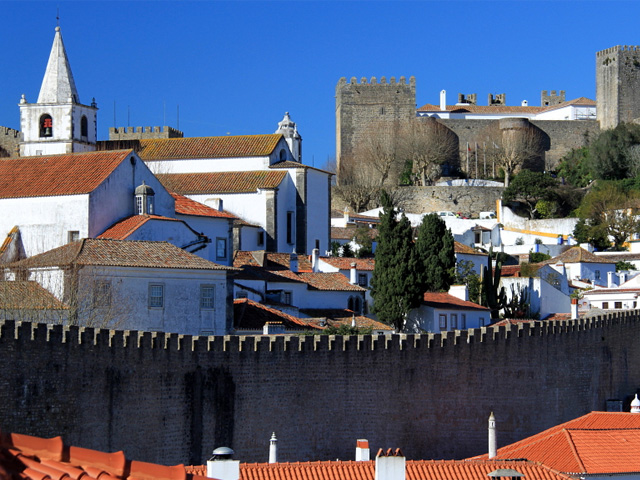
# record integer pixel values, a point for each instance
(359, 104)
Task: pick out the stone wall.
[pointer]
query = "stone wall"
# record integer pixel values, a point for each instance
(139, 133)
(170, 399)
(9, 142)
(467, 200)
(618, 85)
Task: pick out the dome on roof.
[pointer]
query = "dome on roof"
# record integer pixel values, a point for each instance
(144, 189)
(635, 405)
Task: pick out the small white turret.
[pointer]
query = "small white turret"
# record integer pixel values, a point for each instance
(493, 444)
(273, 448)
(635, 405)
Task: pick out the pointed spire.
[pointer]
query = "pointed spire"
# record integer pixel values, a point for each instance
(58, 85)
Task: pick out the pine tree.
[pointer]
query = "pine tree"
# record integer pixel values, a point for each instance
(393, 285)
(434, 255)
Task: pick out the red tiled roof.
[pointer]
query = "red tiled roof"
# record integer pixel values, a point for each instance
(53, 175)
(221, 182)
(466, 250)
(347, 233)
(599, 291)
(596, 443)
(292, 164)
(338, 317)
(327, 281)
(123, 228)
(344, 263)
(576, 255)
(120, 253)
(248, 314)
(27, 295)
(208, 147)
(415, 470)
(186, 206)
(269, 260)
(23, 457)
(584, 101)
(445, 300)
(496, 109)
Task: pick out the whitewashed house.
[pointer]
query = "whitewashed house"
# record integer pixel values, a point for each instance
(441, 312)
(580, 265)
(134, 285)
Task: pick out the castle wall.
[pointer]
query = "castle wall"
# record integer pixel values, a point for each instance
(468, 200)
(168, 398)
(139, 133)
(618, 85)
(9, 142)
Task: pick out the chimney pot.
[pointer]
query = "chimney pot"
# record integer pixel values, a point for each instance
(362, 450)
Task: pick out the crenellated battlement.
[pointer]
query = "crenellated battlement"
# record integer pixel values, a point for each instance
(114, 339)
(9, 132)
(374, 81)
(618, 48)
(139, 133)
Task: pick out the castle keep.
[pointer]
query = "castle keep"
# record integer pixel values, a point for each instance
(618, 85)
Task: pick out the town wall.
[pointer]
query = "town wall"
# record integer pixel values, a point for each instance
(170, 398)
(618, 85)
(140, 133)
(9, 142)
(467, 200)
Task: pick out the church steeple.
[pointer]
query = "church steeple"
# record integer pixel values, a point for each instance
(57, 122)
(58, 85)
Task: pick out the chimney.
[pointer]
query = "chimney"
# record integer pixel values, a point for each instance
(221, 466)
(273, 449)
(216, 203)
(314, 260)
(390, 465)
(635, 405)
(574, 309)
(353, 274)
(622, 277)
(493, 444)
(293, 262)
(610, 281)
(443, 100)
(362, 450)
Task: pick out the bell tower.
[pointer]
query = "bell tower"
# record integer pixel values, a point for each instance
(57, 123)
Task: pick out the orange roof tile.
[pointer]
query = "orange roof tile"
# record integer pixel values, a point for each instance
(292, 164)
(221, 182)
(584, 101)
(186, 206)
(123, 228)
(52, 175)
(596, 443)
(445, 300)
(496, 109)
(576, 255)
(248, 314)
(344, 263)
(347, 233)
(27, 295)
(208, 147)
(415, 470)
(121, 253)
(326, 281)
(23, 457)
(466, 250)
(269, 260)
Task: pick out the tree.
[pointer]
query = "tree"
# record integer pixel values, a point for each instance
(530, 187)
(393, 285)
(494, 296)
(434, 254)
(427, 145)
(622, 266)
(614, 153)
(465, 274)
(574, 167)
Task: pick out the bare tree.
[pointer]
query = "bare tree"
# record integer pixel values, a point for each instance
(428, 145)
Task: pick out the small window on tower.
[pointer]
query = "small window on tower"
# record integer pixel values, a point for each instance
(84, 127)
(46, 126)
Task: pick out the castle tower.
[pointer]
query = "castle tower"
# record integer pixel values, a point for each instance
(290, 132)
(617, 85)
(57, 122)
(360, 105)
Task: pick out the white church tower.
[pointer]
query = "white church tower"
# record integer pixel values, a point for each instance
(290, 132)
(57, 122)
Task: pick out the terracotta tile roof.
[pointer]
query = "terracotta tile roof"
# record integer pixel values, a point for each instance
(12, 249)
(250, 315)
(27, 295)
(221, 182)
(466, 250)
(186, 206)
(347, 233)
(596, 443)
(338, 317)
(269, 260)
(344, 263)
(292, 164)
(445, 300)
(501, 109)
(510, 270)
(576, 255)
(208, 147)
(53, 175)
(415, 470)
(584, 101)
(601, 291)
(23, 457)
(355, 217)
(120, 253)
(326, 281)
(123, 228)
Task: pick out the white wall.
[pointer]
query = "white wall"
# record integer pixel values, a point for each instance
(318, 202)
(212, 227)
(427, 319)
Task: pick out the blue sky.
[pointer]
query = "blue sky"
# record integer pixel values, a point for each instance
(235, 67)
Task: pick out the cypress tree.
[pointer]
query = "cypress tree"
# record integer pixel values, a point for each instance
(434, 255)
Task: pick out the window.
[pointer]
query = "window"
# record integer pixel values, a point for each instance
(354, 304)
(617, 305)
(287, 298)
(605, 305)
(443, 322)
(156, 295)
(101, 293)
(260, 239)
(84, 127)
(362, 279)
(283, 155)
(150, 205)
(290, 232)
(597, 274)
(317, 244)
(139, 205)
(221, 248)
(73, 236)
(454, 321)
(207, 297)
(46, 126)
(482, 321)
(463, 321)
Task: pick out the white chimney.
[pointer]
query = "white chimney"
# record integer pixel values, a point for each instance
(390, 465)
(362, 450)
(459, 291)
(493, 444)
(635, 405)
(216, 203)
(525, 103)
(443, 100)
(273, 449)
(622, 277)
(353, 274)
(574, 309)
(314, 260)
(221, 467)
(610, 282)
(293, 262)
